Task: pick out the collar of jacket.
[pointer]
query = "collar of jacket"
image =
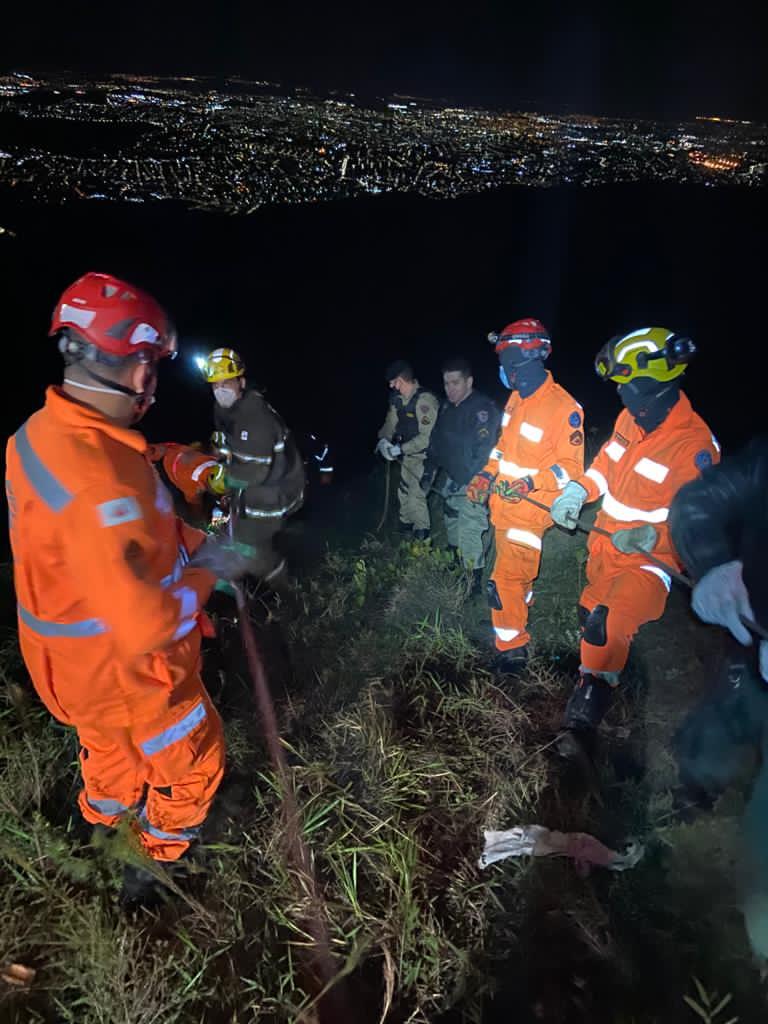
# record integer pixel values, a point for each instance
(678, 418)
(74, 414)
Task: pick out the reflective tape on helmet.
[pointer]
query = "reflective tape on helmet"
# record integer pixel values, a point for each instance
(530, 432)
(48, 488)
(626, 514)
(505, 635)
(176, 732)
(70, 630)
(652, 470)
(663, 576)
(525, 537)
(614, 451)
(599, 479)
(199, 470)
(512, 469)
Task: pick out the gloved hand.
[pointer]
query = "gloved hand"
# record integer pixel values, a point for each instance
(566, 508)
(382, 446)
(217, 482)
(395, 451)
(479, 487)
(720, 597)
(427, 479)
(514, 490)
(221, 557)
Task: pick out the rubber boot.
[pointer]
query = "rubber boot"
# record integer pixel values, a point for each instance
(421, 534)
(141, 890)
(585, 710)
(512, 663)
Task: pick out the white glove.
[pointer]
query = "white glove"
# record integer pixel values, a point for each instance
(720, 597)
(566, 508)
(395, 450)
(382, 446)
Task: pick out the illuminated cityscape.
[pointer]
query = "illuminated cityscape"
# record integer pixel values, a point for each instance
(232, 145)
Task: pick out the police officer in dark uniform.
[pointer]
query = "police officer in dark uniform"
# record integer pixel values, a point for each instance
(466, 430)
(265, 466)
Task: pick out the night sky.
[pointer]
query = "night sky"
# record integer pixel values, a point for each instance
(659, 58)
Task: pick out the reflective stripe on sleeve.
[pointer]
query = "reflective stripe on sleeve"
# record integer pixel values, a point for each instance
(652, 470)
(599, 479)
(505, 635)
(199, 470)
(176, 732)
(526, 537)
(44, 627)
(260, 460)
(530, 432)
(663, 576)
(48, 488)
(627, 514)
(614, 451)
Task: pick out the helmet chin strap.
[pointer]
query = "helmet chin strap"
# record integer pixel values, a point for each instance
(109, 387)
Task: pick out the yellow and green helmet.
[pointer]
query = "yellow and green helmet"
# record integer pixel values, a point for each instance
(654, 352)
(222, 364)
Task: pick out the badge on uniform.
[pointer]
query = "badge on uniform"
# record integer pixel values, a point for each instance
(574, 420)
(243, 435)
(703, 459)
(482, 416)
(576, 437)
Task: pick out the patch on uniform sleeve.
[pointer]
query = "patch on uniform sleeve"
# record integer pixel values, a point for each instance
(574, 420)
(576, 437)
(243, 435)
(424, 410)
(703, 459)
(482, 416)
(118, 511)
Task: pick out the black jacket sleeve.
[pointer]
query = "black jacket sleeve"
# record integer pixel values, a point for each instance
(709, 516)
(486, 433)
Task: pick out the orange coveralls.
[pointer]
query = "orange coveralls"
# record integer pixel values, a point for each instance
(637, 475)
(108, 620)
(542, 436)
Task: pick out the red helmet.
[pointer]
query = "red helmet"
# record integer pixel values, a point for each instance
(531, 335)
(114, 317)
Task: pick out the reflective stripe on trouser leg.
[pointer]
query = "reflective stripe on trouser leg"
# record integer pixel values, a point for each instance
(514, 571)
(411, 499)
(182, 780)
(466, 530)
(632, 597)
(113, 776)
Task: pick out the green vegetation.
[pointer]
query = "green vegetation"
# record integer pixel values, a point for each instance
(402, 749)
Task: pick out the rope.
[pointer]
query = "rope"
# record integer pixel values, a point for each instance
(385, 510)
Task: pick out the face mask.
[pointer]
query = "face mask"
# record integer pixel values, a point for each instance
(225, 397)
(520, 373)
(649, 401)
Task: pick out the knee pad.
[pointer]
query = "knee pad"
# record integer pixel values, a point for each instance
(494, 598)
(594, 629)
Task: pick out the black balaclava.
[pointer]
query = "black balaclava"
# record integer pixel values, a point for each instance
(519, 371)
(649, 401)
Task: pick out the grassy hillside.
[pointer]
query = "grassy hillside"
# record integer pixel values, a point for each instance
(402, 749)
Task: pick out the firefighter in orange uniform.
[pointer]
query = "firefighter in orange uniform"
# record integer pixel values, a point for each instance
(658, 444)
(110, 584)
(540, 448)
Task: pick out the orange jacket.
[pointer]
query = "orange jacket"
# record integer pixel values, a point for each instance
(108, 610)
(542, 437)
(638, 474)
(187, 468)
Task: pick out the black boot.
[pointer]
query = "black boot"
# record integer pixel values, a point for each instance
(512, 663)
(421, 534)
(585, 710)
(476, 586)
(141, 890)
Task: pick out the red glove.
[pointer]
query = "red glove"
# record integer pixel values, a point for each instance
(514, 490)
(479, 487)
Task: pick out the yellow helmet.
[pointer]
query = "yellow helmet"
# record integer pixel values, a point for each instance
(654, 352)
(222, 364)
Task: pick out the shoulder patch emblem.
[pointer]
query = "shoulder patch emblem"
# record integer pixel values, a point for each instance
(703, 459)
(576, 437)
(620, 437)
(574, 420)
(482, 416)
(118, 511)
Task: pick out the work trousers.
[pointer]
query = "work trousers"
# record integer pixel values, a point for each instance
(165, 771)
(511, 588)
(621, 595)
(725, 741)
(466, 524)
(411, 498)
